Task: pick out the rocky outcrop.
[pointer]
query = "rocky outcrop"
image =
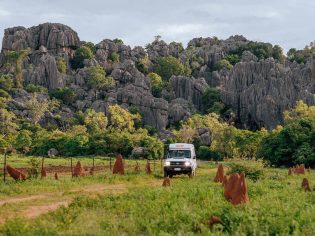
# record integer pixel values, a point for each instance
(188, 88)
(57, 38)
(259, 92)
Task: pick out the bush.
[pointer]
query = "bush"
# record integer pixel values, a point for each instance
(156, 84)
(253, 170)
(4, 94)
(33, 88)
(223, 64)
(114, 57)
(61, 65)
(205, 153)
(168, 66)
(80, 55)
(67, 95)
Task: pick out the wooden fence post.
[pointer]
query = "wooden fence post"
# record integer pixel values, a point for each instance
(5, 164)
(71, 167)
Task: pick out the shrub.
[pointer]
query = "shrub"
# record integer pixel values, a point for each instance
(143, 65)
(6, 83)
(80, 55)
(205, 153)
(114, 57)
(223, 64)
(67, 95)
(33, 88)
(156, 84)
(253, 170)
(61, 65)
(4, 94)
(168, 66)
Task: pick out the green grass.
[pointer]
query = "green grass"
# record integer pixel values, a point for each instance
(277, 206)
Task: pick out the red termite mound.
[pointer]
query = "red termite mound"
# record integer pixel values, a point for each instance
(56, 176)
(43, 173)
(225, 179)
(214, 220)
(299, 169)
(148, 168)
(15, 174)
(137, 167)
(78, 170)
(290, 171)
(306, 185)
(231, 185)
(166, 182)
(219, 177)
(240, 194)
(119, 165)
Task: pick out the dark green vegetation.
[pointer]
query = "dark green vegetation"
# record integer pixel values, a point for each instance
(278, 206)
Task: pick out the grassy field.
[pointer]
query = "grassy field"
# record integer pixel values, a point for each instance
(136, 204)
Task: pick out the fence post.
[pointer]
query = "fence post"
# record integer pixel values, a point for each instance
(110, 163)
(71, 167)
(5, 164)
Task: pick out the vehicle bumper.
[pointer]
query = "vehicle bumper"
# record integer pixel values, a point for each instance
(177, 169)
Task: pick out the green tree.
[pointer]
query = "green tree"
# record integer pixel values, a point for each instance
(95, 121)
(223, 64)
(33, 88)
(122, 119)
(80, 55)
(114, 57)
(23, 140)
(168, 66)
(66, 95)
(143, 65)
(6, 82)
(17, 58)
(98, 80)
(156, 84)
(37, 108)
(277, 53)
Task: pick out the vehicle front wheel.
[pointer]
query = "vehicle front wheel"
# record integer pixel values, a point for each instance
(165, 174)
(192, 173)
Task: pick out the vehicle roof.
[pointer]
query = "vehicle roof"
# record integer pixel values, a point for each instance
(181, 146)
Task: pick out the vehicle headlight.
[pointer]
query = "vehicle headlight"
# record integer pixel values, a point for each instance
(187, 163)
(167, 163)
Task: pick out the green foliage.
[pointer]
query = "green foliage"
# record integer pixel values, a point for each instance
(80, 55)
(118, 41)
(6, 83)
(7, 122)
(98, 80)
(223, 64)
(253, 170)
(23, 140)
(17, 59)
(294, 144)
(277, 53)
(121, 119)
(114, 57)
(233, 58)
(156, 84)
(95, 121)
(61, 65)
(168, 66)
(143, 65)
(33, 171)
(66, 95)
(205, 153)
(91, 46)
(4, 94)
(301, 56)
(33, 88)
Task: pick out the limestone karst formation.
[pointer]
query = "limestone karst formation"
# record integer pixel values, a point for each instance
(257, 90)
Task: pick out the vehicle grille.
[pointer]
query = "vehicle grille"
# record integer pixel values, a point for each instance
(177, 163)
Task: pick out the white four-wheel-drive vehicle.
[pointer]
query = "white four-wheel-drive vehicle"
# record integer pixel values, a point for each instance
(180, 159)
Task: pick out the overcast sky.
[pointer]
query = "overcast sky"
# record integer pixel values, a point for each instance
(289, 23)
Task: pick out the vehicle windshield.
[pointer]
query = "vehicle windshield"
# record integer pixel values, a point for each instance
(179, 154)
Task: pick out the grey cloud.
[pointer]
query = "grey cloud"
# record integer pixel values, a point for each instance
(287, 23)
